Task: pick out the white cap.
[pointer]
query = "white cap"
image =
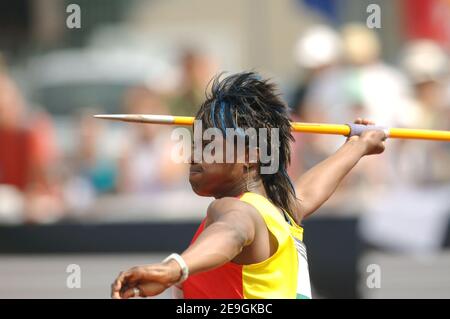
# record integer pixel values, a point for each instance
(424, 60)
(319, 45)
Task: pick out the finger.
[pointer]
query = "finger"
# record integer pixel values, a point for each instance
(116, 286)
(120, 282)
(358, 120)
(130, 292)
(382, 147)
(382, 135)
(115, 294)
(366, 121)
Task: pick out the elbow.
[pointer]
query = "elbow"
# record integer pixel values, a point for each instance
(239, 239)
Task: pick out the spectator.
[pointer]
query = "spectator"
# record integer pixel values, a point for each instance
(146, 165)
(26, 154)
(197, 69)
(317, 52)
(93, 170)
(16, 141)
(411, 212)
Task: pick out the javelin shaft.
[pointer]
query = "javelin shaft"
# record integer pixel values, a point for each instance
(435, 135)
(319, 128)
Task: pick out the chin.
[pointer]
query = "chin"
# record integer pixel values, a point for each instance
(199, 191)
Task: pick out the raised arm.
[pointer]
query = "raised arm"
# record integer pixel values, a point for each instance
(229, 227)
(317, 185)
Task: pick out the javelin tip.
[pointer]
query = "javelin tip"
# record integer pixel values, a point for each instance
(111, 116)
(139, 118)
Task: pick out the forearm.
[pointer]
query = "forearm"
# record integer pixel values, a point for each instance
(218, 244)
(319, 183)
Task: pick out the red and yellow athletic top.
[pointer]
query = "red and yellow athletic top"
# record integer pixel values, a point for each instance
(283, 275)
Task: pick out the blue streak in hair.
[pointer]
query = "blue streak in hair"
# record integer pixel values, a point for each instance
(256, 76)
(240, 131)
(228, 116)
(213, 110)
(229, 119)
(222, 117)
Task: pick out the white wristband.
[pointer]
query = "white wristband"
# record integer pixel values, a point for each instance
(183, 266)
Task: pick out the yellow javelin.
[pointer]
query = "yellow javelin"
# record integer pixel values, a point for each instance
(320, 128)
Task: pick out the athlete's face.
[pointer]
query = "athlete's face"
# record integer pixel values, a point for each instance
(217, 179)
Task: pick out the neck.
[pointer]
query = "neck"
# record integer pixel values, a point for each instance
(254, 185)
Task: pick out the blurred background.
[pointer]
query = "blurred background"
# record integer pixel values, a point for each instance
(106, 196)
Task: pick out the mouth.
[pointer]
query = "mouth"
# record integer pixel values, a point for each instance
(195, 169)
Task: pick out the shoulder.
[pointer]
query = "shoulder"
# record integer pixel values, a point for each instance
(242, 217)
(231, 205)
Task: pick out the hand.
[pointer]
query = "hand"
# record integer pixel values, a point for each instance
(150, 280)
(371, 140)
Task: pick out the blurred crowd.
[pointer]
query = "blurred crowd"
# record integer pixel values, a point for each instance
(40, 183)
(345, 78)
(341, 76)
(402, 195)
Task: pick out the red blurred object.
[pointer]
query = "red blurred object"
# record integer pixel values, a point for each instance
(15, 157)
(428, 19)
